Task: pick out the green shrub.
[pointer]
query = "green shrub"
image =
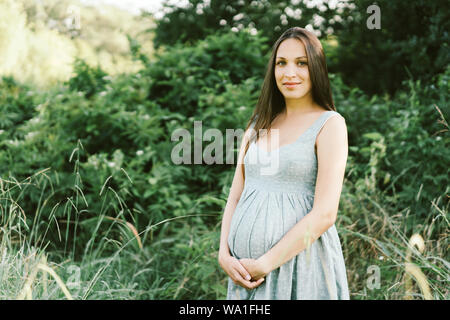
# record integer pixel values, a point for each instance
(79, 168)
(181, 74)
(87, 79)
(412, 43)
(17, 103)
(199, 19)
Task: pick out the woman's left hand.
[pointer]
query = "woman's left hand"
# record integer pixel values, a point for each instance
(254, 267)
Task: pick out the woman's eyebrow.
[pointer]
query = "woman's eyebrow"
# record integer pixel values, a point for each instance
(295, 58)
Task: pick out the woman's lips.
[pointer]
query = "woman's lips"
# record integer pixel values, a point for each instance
(291, 85)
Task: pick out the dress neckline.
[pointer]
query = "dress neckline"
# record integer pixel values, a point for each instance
(298, 138)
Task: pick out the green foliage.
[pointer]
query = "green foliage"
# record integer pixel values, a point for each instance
(411, 44)
(397, 141)
(136, 50)
(17, 106)
(200, 18)
(79, 161)
(181, 74)
(87, 79)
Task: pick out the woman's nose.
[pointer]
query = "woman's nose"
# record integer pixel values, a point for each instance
(290, 71)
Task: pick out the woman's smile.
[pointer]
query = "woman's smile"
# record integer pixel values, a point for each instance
(291, 85)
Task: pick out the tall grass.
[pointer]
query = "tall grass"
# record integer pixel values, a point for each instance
(118, 262)
(60, 252)
(375, 231)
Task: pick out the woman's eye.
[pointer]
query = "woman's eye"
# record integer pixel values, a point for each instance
(300, 62)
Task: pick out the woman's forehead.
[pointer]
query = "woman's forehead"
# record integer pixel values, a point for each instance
(291, 49)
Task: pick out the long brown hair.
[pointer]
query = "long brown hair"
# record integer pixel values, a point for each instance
(271, 102)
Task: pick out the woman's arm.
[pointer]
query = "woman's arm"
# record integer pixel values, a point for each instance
(235, 270)
(236, 189)
(332, 152)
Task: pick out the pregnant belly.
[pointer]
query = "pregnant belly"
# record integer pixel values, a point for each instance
(253, 233)
(261, 219)
(249, 235)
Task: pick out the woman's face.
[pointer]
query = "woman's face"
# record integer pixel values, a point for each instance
(291, 69)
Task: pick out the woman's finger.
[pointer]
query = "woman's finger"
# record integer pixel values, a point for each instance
(256, 283)
(238, 273)
(237, 279)
(242, 271)
(252, 284)
(249, 284)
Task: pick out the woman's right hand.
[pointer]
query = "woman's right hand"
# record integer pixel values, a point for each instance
(237, 272)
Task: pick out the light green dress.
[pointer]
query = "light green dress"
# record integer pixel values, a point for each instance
(273, 200)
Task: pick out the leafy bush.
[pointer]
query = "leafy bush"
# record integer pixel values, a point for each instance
(411, 44)
(181, 74)
(405, 136)
(87, 79)
(18, 103)
(199, 19)
(93, 179)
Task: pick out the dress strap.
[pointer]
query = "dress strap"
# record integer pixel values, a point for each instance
(315, 128)
(318, 125)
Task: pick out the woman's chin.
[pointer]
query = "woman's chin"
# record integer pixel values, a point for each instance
(293, 95)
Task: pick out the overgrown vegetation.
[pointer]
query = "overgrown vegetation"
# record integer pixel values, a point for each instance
(412, 41)
(88, 188)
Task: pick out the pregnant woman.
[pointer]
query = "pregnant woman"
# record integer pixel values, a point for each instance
(278, 237)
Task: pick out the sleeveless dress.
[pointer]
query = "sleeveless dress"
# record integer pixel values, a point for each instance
(271, 203)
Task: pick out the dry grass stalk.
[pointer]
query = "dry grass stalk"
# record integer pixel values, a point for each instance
(414, 271)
